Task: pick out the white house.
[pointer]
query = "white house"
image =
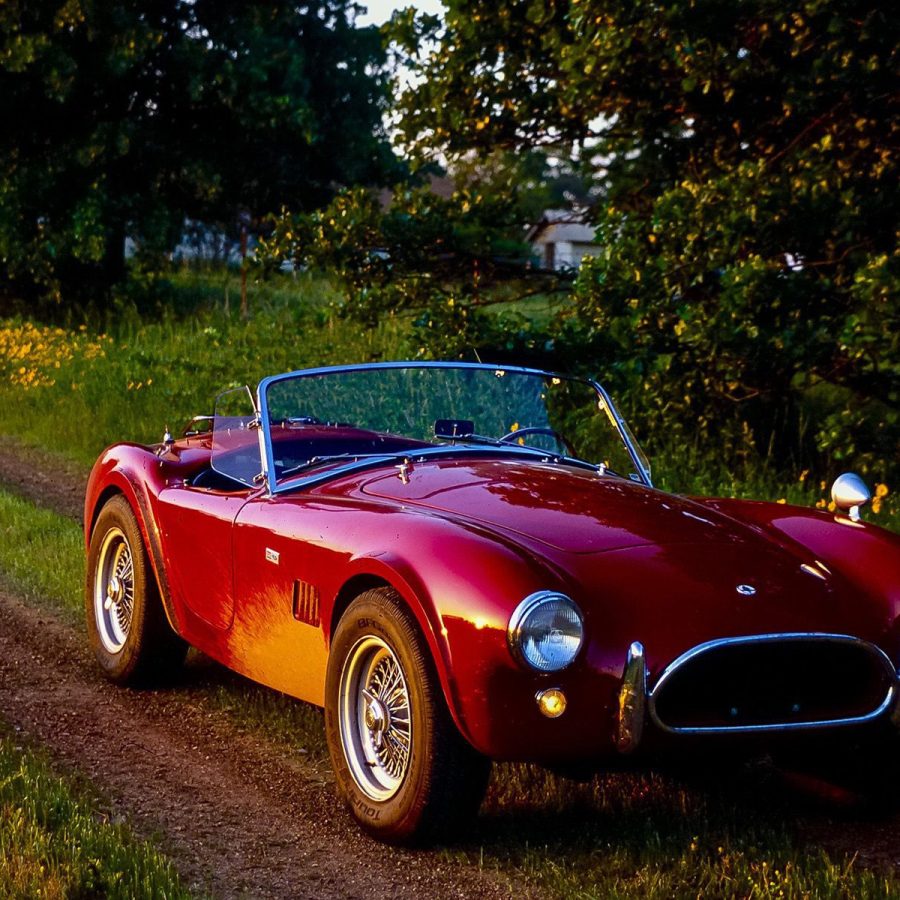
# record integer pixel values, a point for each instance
(562, 239)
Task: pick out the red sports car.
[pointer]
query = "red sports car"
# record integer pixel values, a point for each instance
(468, 562)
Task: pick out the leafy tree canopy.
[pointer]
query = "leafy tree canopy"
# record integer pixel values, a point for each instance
(746, 159)
(445, 256)
(127, 117)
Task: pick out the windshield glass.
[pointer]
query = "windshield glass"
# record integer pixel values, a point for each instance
(235, 439)
(340, 415)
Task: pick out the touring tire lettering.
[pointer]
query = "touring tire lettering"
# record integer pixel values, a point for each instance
(365, 624)
(370, 812)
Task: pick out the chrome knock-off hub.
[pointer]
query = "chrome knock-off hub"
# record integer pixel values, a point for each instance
(377, 718)
(115, 592)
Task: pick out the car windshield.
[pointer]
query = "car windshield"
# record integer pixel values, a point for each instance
(327, 418)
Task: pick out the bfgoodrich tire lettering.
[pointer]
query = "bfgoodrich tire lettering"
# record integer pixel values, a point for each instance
(126, 624)
(402, 767)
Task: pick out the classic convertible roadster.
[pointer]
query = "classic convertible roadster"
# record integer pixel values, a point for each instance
(466, 562)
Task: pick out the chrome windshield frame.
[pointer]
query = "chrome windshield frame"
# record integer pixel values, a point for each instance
(352, 465)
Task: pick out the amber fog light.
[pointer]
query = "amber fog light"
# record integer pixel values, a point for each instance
(551, 702)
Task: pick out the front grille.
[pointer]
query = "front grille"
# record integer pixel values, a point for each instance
(772, 681)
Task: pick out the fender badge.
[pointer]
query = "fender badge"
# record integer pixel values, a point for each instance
(272, 556)
(746, 589)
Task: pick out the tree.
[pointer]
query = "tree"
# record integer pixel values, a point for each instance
(447, 257)
(746, 156)
(123, 118)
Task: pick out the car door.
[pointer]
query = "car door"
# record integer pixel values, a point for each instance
(198, 525)
(198, 518)
(282, 565)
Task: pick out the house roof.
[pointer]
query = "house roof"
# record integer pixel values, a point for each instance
(561, 225)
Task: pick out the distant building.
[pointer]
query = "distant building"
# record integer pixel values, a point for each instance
(562, 239)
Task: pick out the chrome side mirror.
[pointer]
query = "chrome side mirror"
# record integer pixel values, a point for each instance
(849, 493)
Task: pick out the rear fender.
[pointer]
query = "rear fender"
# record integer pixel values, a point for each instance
(112, 474)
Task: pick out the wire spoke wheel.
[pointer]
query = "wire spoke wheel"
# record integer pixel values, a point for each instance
(405, 772)
(114, 587)
(375, 719)
(127, 625)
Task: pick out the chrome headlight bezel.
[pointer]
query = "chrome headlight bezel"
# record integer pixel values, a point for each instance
(518, 622)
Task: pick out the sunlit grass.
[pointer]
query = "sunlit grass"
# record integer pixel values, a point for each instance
(41, 554)
(154, 372)
(55, 844)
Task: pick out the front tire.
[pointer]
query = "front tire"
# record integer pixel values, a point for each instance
(126, 623)
(402, 767)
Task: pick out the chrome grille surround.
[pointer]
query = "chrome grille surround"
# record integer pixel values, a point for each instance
(879, 660)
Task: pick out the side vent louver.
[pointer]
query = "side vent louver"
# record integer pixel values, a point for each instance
(306, 603)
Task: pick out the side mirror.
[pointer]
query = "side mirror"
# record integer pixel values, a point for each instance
(849, 493)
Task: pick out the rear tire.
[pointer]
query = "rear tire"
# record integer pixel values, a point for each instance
(402, 767)
(126, 623)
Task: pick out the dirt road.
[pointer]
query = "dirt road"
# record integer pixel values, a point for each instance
(238, 817)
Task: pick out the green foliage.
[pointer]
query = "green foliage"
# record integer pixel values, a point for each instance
(447, 258)
(746, 158)
(125, 119)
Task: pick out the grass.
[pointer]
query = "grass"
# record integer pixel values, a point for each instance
(41, 554)
(55, 844)
(78, 391)
(655, 836)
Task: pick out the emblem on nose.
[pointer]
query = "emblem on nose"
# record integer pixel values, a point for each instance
(747, 590)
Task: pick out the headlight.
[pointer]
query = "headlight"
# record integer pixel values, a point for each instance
(546, 631)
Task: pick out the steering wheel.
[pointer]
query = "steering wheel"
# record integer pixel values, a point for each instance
(561, 439)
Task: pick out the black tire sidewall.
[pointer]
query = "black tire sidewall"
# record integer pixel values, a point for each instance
(124, 666)
(373, 613)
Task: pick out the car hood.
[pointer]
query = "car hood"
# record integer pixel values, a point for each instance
(642, 564)
(564, 508)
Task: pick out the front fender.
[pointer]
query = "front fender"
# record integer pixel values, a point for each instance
(133, 471)
(462, 585)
